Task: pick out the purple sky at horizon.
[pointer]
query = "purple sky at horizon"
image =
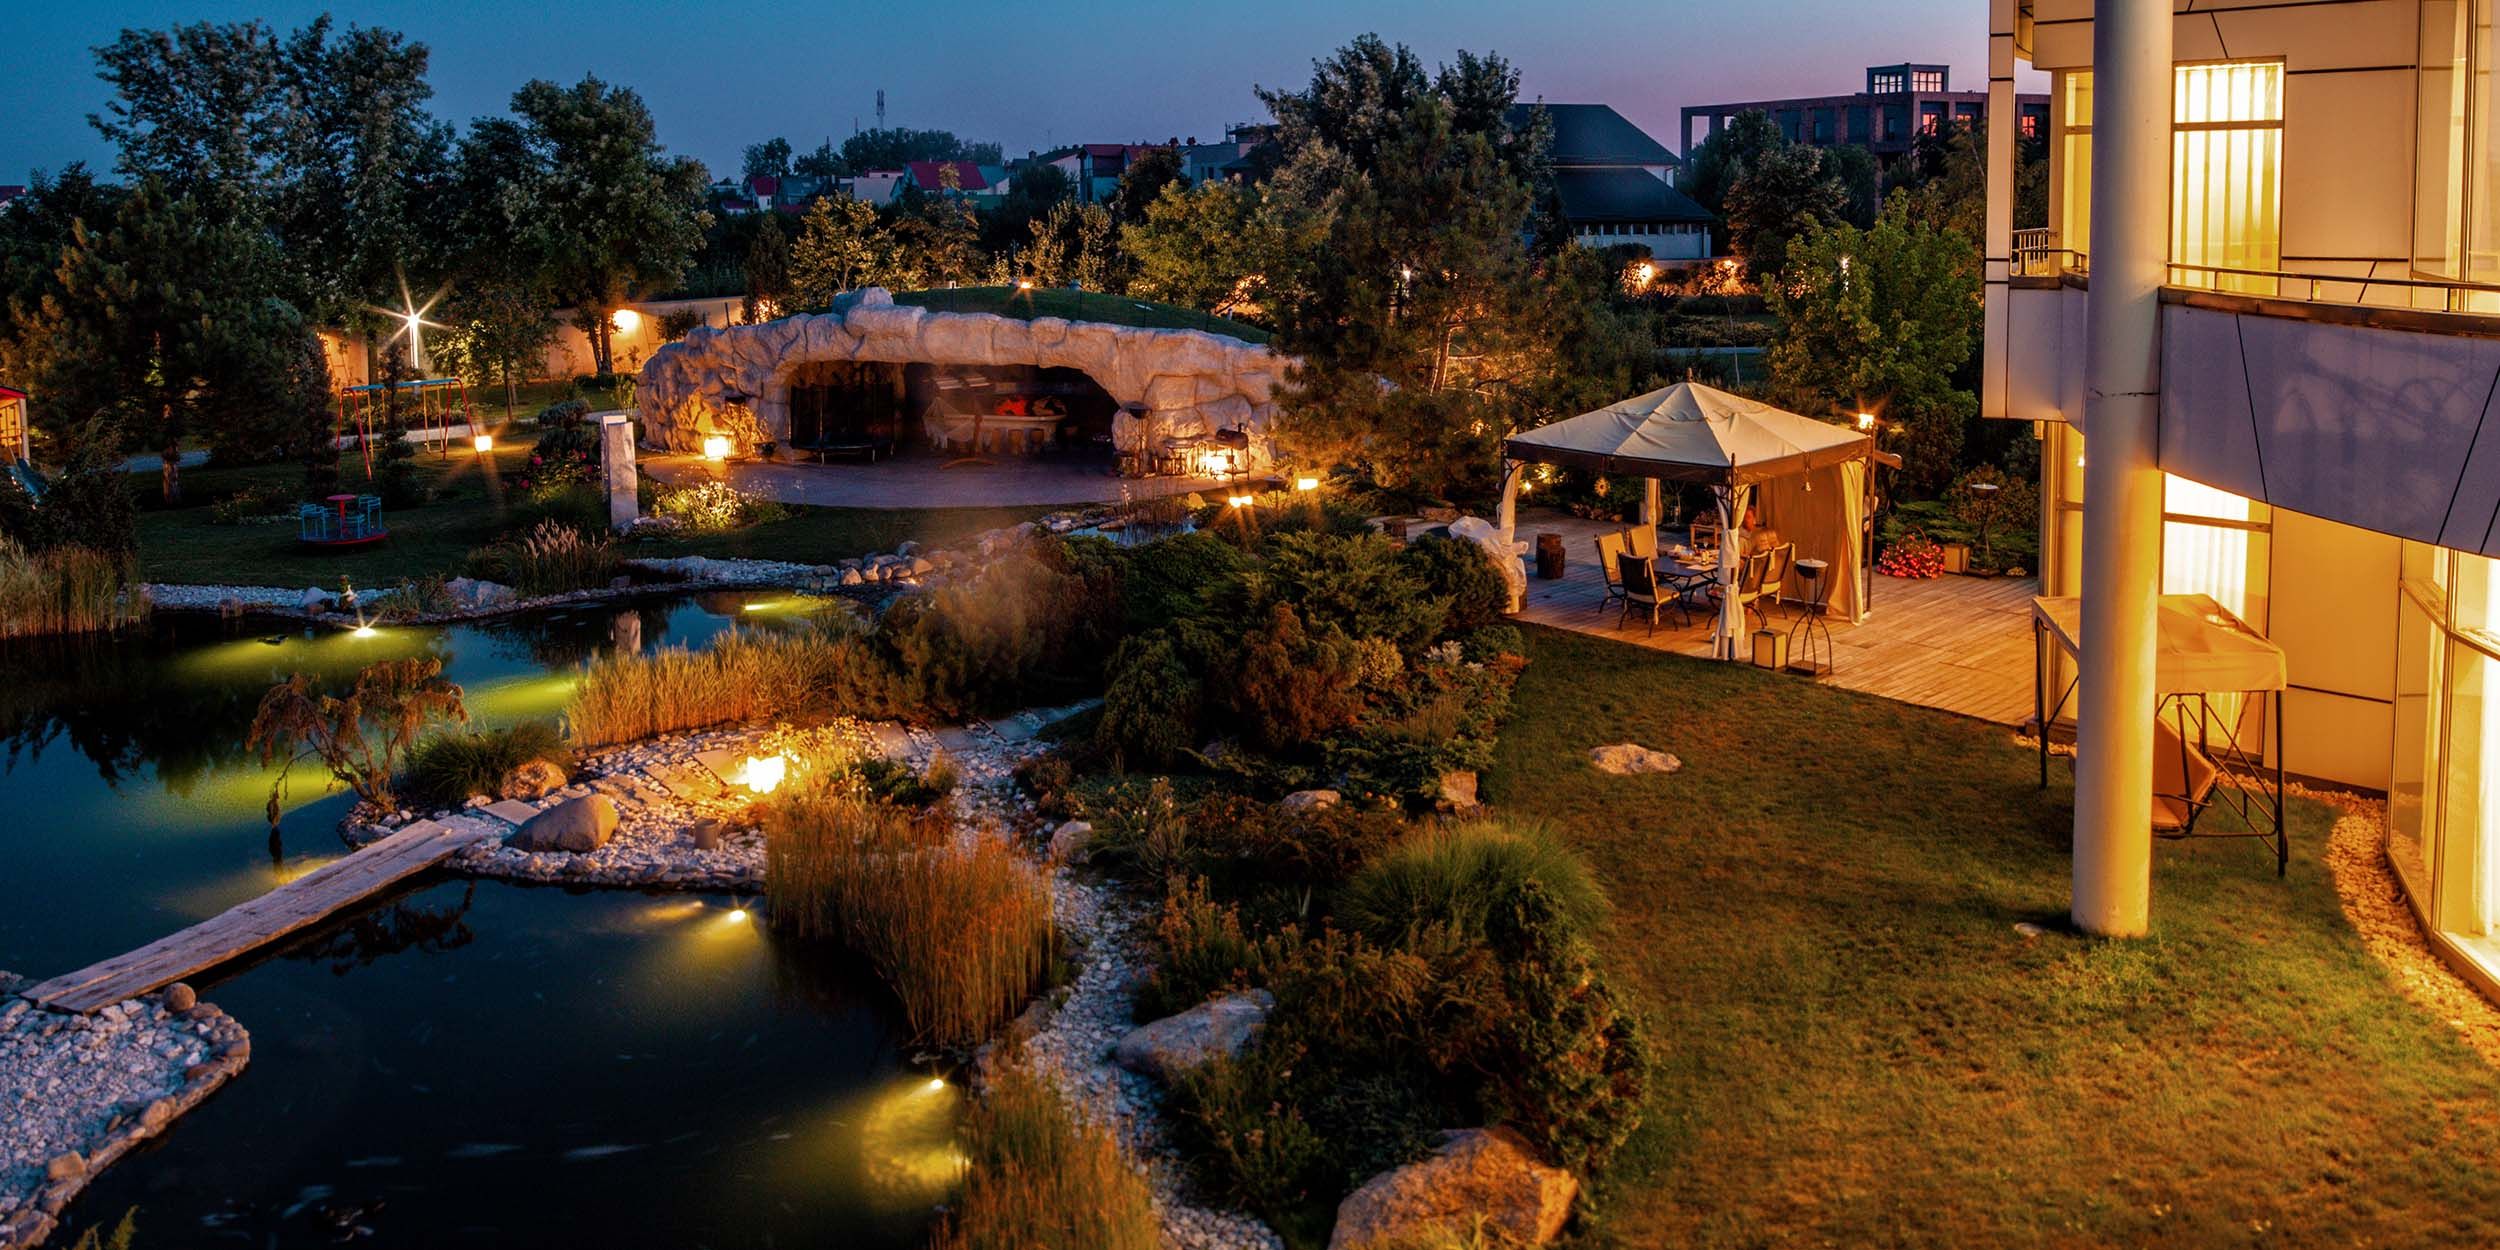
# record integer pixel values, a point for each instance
(1028, 75)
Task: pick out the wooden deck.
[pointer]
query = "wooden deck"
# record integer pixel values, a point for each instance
(1959, 644)
(249, 926)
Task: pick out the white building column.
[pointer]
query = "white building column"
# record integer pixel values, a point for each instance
(1997, 250)
(2131, 62)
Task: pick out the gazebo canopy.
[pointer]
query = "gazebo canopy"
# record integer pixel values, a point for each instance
(1691, 433)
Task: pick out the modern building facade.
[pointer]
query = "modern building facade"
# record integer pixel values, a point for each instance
(1900, 103)
(1617, 184)
(2302, 199)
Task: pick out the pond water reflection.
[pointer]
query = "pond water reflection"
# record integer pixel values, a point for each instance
(468, 1063)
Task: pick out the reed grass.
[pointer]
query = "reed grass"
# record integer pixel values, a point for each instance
(65, 590)
(1043, 1178)
(960, 929)
(553, 558)
(743, 677)
(449, 766)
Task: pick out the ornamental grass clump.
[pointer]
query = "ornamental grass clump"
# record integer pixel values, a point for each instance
(65, 590)
(1465, 877)
(743, 677)
(715, 507)
(959, 929)
(1041, 1177)
(446, 768)
(551, 559)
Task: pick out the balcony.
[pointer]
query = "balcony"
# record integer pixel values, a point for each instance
(2354, 398)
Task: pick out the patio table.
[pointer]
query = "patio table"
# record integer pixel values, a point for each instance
(1687, 573)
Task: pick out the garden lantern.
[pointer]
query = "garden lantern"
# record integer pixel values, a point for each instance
(484, 443)
(1866, 421)
(716, 448)
(762, 774)
(1306, 483)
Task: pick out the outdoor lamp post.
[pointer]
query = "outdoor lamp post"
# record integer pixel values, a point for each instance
(482, 444)
(1866, 422)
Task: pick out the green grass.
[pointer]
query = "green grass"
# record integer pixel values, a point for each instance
(1857, 1048)
(1119, 310)
(470, 509)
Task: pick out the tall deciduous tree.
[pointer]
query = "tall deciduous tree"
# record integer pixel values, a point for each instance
(1074, 245)
(1712, 168)
(1145, 177)
(198, 108)
(841, 247)
(614, 218)
(1881, 319)
(767, 270)
(769, 159)
(895, 147)
(1784, 193)
(1200, 246)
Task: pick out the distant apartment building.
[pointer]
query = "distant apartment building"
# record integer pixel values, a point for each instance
(1900, 103)
(1617, 184)
(2303, 253)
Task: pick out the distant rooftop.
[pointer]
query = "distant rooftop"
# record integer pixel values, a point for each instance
(1595, 134)
(1598, 196)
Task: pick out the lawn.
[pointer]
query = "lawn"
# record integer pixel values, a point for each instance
(1856, 1047)
(1079, 306)
(471, 508)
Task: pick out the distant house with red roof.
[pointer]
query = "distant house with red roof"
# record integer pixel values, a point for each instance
(930, 176)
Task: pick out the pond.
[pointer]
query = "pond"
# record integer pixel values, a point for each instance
(466, 1063)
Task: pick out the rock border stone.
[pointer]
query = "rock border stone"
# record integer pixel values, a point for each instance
(28, 1216)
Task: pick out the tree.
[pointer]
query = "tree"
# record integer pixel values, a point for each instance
(769, 159)
(1881, 319)
(824, 162)
(195, 109)
(1861, 183)
(614, 219)
(161, 326)
(500, 328)
(1713, 167)
(1200, 247)
(325, 142)
(359, 737)
(1778, 197)
(895, 147)
(1147, 174)
(1030, 193)
(841, 247)
(937, 242)
(767, 271)
(1073, 245)
(1354, 102)
(1427, 284)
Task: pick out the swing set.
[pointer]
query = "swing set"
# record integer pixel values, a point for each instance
(348, 520)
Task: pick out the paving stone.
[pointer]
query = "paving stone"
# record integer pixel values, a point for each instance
(511, 811)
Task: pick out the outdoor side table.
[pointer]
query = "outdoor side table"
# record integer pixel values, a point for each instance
(1549, 556)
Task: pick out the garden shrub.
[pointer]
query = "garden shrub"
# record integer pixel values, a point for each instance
(446, 768)
(1490, 643)
(1457, 572)
(1290, 686)
(1466, 878)
(1354, 587)
(1200, 951)
(714, 507)
(1034, 625)
(1174, 578)
(1150, 710)
(251, 503)
(1038, 1177)
(1437, 718)
(87, 505)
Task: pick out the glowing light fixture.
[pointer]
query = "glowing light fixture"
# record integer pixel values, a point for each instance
(936, 1083)
(1866, 420)
(365, 631)
(1024, 284)
(716, 447)
(625, 319)
(484, 443)
(762, 774)
(737, 915)
(1306, 483)
(1241, 501)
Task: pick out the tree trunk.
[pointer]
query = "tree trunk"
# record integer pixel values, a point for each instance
(170, 481)
(602, 352)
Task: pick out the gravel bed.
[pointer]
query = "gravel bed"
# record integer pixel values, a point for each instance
(77, 1092)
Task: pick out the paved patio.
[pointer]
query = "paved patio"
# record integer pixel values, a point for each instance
(924, 481)
(1959, 644)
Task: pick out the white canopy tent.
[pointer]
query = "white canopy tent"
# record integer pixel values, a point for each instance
(1814, 473)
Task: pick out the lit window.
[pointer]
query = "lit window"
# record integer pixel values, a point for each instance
(2226, 175)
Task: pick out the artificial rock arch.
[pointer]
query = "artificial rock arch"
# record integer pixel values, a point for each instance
(1188, 382)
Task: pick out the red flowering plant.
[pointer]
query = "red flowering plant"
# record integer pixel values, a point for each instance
(1913, 554)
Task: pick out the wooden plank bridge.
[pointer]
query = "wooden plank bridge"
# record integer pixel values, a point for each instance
(247, 927)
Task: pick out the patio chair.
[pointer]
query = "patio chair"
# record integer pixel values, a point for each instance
(1640, 590)
(1704, 534)
(1775, 577)
(1749, 574)
(1643, 540)
(1609, 546)
(2183, 780)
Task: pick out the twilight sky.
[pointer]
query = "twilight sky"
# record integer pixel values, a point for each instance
(1029, 74)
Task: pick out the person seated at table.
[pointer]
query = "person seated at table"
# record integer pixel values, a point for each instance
(1758, 536)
